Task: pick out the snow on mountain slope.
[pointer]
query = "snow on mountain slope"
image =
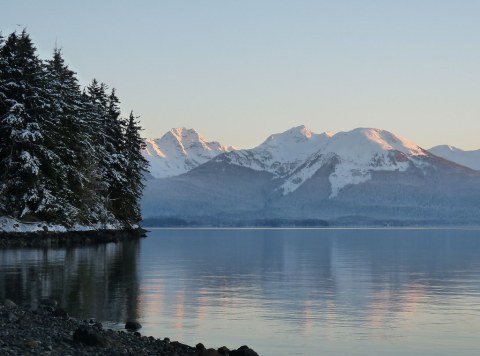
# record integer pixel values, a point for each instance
(470, 159)
(280, 153)
(363, 150)
(296, 154)
(179, 151)
(364, 175)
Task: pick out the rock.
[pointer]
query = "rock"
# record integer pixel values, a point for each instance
(9, 303)
(48, 302)
(31, 343)
(39, 332)
(89, 336)
(12, 317)
(60, 313)
(132, 325)
(223, 350)
(243, 351)
(49, 309)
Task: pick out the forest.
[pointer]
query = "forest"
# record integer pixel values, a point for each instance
(67, 154)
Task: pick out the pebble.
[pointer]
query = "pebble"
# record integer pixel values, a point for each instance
(12, 317)
(60, 313)
(40, 332)
(52, 303)
(9, 304)
(32, 343)
(132, 325)
(223, 350)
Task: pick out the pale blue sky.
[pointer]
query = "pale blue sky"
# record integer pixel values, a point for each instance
(240, 70)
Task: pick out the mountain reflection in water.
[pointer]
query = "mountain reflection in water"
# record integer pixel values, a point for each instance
(279, 291)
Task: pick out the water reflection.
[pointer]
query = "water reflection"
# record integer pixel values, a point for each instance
(292, 290)
(90, 282)
(280, 291)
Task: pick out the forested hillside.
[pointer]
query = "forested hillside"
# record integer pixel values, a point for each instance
(67, 154)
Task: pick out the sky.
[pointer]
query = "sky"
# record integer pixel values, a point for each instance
(240, 70)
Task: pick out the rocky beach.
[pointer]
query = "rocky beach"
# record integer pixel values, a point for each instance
(49, 330)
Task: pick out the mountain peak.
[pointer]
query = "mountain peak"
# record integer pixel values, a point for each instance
(180, 150)
(298, 131)
(183, 134)
(294, 135)
(446, 148)
(383, 139)
(301, 130)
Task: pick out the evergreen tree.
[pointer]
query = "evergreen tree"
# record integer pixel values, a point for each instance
(97, 112)
(115, 164)
(68, 136)
(4, 137)
(3, 63)
(136, 166)
(25, 160)
(65, 156)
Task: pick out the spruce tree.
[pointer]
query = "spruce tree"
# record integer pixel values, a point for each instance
(115, 163)
(68, 136)
(4, 137)
(95, 115)
(24, 162)
(65, 156)
(136, 166)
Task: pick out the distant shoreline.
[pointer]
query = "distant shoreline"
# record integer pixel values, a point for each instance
(339, 227)
(347, 222)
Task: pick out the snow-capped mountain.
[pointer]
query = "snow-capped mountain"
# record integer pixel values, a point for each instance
(295, 155)
(281, 153)
(349, 177)
(178, 151)
(470, 159)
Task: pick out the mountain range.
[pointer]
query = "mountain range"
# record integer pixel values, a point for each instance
(364, 176)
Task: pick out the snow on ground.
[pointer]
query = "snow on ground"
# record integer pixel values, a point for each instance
(11, 225)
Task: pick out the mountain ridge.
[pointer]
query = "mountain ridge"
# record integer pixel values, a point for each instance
(178, 151)
(470, 159)
(360, 175)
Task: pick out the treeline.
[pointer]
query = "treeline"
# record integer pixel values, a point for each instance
(166, 221)
(67, 155)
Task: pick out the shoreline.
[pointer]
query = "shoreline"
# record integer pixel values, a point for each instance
(49, 330)
(67, 238)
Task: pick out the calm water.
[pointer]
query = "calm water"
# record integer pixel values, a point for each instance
(282, 292)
